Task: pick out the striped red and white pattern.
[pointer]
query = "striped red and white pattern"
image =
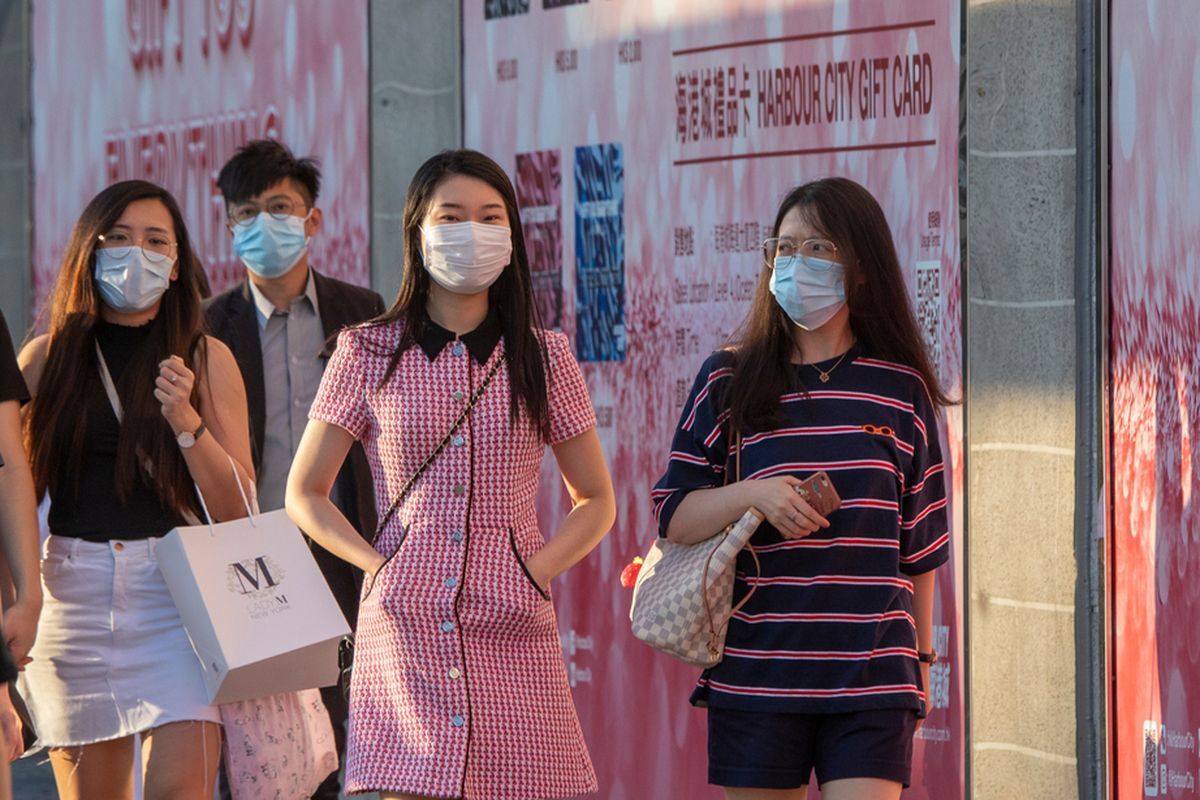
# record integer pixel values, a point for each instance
(830, 627)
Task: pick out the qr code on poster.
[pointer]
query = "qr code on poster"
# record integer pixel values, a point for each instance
(929, 307)
(1150, 758)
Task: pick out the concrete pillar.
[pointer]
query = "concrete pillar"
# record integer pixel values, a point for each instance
(16, 197)
(1021, 384)
(416, 111)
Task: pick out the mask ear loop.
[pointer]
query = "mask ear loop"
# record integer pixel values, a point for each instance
(422, 248)
(304, 221)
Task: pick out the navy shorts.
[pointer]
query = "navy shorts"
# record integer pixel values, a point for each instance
(762, 750)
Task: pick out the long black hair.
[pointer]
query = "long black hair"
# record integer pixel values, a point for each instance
(881, 314)
(56, 423)
(511, 295)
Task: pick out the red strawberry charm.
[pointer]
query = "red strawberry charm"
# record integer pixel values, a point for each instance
(630, 573)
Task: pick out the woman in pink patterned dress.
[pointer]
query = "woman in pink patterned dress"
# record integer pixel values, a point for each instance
(459, 687)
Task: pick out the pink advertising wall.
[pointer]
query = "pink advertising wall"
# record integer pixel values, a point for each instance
(650, 143)
(167, 90)
(1155, 396)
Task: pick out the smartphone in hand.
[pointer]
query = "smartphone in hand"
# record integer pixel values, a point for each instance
(817, 490)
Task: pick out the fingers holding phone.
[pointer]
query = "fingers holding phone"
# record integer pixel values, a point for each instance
(815, 500)
(783, 508)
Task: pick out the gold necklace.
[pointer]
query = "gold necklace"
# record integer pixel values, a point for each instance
(825, 373)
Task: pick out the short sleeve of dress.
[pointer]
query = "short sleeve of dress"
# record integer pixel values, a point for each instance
(700, 446)
(571, 411)
(342, 397)
(12, 384)
(924, 523)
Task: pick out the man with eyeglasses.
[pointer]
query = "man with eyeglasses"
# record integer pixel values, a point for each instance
(277, 322)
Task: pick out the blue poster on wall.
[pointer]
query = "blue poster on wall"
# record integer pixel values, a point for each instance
(600, 253)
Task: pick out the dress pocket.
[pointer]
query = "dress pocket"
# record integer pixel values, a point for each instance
(369, 581)
(512, 541)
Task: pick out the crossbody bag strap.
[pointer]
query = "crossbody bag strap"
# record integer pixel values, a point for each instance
(416, 476)
(110, 388)
(114, 399)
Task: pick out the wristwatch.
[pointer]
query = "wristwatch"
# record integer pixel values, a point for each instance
(188, 438)
(927, 658)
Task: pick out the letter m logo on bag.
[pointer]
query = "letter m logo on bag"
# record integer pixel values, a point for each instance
(254, 576)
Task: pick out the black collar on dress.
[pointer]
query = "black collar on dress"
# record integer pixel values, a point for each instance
(481, 341)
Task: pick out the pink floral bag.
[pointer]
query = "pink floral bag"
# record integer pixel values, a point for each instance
(279, 747)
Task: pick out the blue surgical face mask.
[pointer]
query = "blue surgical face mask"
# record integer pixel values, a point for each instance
(269, 247)
(131, 282)
(809, 290)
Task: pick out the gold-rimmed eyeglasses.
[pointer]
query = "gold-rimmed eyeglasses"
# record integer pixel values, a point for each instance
(156, 247)
(787, 247)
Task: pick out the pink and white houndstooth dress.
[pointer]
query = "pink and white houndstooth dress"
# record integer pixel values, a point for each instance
(459, 687)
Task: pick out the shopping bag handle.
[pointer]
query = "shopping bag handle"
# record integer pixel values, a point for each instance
(250, 502)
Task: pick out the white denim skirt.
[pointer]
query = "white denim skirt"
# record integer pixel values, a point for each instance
(111, 657)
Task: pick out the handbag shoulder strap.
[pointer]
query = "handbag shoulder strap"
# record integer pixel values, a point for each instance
(416, 476)
(716, 632)
(737, 460)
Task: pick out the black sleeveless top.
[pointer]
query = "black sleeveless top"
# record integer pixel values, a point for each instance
(92, 511)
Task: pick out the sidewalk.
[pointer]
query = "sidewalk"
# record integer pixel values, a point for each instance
(33, 780)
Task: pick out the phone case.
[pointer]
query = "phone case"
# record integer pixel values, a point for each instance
(819, 493)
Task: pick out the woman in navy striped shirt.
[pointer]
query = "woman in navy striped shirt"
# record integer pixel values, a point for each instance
(826, 667)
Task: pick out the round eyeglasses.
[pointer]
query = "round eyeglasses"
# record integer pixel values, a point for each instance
(155, 247)
(787, 247)
(278, 207)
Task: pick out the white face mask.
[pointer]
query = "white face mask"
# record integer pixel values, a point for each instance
(131, 282)
(466, 257)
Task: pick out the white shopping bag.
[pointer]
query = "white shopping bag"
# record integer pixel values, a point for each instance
(255, 605)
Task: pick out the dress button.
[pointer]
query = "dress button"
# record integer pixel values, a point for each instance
(457, 349)
(451, 583)
(458, 395)
(118, 547)
(455, 673)
(459, 490)
(457, 721)
(457, 536)
(458, 441)
(447, 626)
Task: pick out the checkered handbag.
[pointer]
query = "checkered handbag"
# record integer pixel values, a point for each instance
(683, 597)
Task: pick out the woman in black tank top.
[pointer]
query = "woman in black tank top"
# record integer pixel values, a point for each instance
(133, 407)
